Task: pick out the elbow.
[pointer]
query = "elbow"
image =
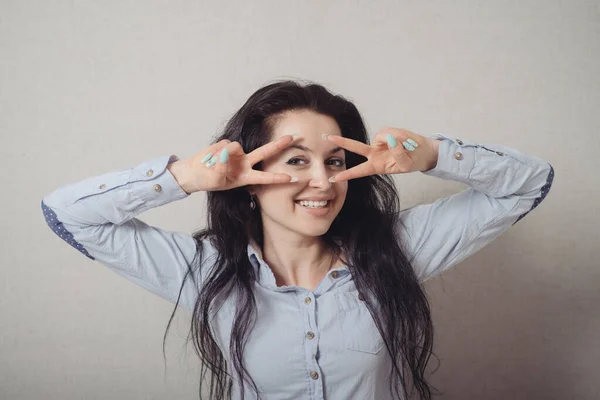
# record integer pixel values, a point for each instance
(541, 194)
(61, 231)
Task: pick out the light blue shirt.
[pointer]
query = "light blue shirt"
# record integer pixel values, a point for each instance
(320, 344)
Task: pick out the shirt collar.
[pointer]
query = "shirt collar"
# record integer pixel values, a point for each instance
(263, 272)
(265, 275)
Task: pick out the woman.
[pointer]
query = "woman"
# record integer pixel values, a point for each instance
(307, 281)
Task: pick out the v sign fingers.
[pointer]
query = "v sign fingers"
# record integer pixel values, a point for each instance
(236, 169)
(386, 155)
(225, 165)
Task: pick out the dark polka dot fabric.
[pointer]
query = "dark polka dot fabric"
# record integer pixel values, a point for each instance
(545, 190)
(58, 228)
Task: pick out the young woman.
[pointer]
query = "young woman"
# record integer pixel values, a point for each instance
(307, 281)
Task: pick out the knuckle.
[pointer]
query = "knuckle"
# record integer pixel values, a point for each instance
(235, 146)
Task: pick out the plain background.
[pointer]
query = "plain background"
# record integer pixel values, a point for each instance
(89, 87)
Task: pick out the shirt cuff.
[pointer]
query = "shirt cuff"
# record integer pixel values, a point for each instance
(163, 188)
(456, 158)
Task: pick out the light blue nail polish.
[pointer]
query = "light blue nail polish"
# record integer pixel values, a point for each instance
(212, 162)
(408, 146)
(224, 156)
(410, 141)
(206, 158)
(391, 140)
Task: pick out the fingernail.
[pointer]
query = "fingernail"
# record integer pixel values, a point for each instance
(212, 162)
(332, 180)
(408, 146)
(206, 158)
(294, 179)
(415, 144)
(324, 136)
(224, 156)
(391, 140)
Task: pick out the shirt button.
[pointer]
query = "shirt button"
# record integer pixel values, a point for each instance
(458, 155)
(335, 274)
(157, 188)
(149, 173)
(314, 375)
(310, 335)
(103, 186)
(307, 300)
(500, 153)
(459, 141)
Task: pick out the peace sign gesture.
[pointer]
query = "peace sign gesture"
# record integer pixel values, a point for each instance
(225, 165)
(386, 156)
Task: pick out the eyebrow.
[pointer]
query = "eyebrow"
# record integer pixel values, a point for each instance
(304, 148)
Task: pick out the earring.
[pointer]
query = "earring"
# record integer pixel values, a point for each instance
(252, 202)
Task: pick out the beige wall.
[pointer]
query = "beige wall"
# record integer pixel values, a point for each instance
(89, 87)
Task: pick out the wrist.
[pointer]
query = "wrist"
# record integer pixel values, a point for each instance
(180, 172)
(432, 160)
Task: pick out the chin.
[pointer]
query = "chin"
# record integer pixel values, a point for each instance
(315, 233)
(315, 229)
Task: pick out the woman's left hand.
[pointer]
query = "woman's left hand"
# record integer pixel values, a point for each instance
(393, 151)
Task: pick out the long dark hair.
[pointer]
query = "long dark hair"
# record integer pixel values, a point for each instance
(366, 228)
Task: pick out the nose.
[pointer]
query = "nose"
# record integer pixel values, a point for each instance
(320, 178)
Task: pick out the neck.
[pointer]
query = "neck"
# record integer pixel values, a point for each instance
(296, 260)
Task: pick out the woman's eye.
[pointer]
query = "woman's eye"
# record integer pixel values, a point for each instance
(296, 161)
(337, 162)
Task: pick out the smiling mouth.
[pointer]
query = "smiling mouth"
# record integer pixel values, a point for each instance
(313, 204)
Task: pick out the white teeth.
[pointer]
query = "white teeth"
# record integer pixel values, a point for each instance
(313, 204)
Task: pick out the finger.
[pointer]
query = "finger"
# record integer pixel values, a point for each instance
(393, 141)
(219, 145)
(269, 149)
(349, 144)
(209, 152)
(222, 165)
(235, 149)
(361, 170)
(255, 177)
(221, 158)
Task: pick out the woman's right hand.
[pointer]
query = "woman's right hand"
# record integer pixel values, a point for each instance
(224, 166)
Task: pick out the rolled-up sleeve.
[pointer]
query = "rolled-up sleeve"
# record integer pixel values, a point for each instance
(504, 186)
(96, 216)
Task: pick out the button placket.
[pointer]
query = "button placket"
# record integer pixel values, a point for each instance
(311, 343)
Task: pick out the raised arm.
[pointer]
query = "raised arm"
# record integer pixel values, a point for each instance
(504, 186)
(97, 217)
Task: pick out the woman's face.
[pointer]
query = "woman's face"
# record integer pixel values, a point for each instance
(309, 206)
